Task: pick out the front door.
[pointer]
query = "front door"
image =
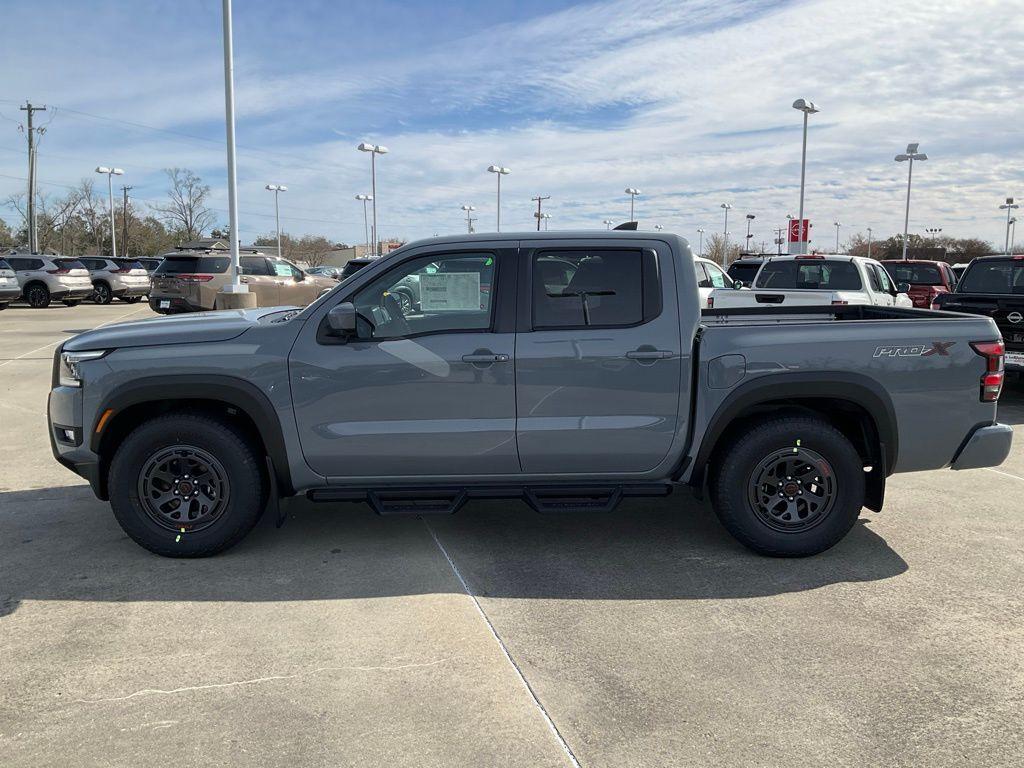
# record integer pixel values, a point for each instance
(258, 274)
(598, 359)
(426, 387)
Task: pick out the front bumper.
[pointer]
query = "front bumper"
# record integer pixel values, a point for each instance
(64, 411)
(8, 295)
(986, 447)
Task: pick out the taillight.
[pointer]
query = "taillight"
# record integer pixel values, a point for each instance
(194, 278)
(58, 271)
(711, 302)
(992, 381)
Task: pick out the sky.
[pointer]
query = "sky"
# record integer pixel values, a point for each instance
(687, 100)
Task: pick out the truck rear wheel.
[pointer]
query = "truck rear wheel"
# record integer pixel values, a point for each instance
(792, 487)
(187, 485)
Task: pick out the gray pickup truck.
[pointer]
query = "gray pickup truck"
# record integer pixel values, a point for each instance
(569, 370)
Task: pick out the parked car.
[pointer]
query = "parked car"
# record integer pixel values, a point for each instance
(926, 279)
(745, 269)
(354, 265)
(44, 278)
(326, 271)
(10, 290)
(711, 276)
(816, 280)
(124, 279)
(189, 281)
(571, 398)
(993, 286)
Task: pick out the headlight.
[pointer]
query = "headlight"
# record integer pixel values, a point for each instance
(70, 366)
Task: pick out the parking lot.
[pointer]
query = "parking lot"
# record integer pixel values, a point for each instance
(497, 636)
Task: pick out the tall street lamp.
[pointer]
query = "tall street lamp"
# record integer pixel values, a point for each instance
(1013, 232)
(933, 231)
(546, 217)
(608, 223)
(366, 228)
(277, 189)
(837, 225)
(499, 171)
(700, 246)
(469, 221)
(808, 108)
(658, 227)
(869, 242)
(725, 234)
(746, 243)
(110, 173)
(909, 157)
(1009, 205)
(374, 150)
(236, 292)
(632, 197)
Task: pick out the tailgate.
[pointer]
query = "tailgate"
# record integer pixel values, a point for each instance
(724, 298)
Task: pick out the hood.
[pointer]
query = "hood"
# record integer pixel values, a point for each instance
(191, 328)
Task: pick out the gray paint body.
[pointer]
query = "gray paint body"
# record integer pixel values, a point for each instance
(566, 406)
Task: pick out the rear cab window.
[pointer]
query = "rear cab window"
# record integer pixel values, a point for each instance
(594, 288)
(810, 274)
(995, 276)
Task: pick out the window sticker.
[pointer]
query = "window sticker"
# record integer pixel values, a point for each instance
(450, 291)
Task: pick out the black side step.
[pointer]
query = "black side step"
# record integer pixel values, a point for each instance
(448, 500)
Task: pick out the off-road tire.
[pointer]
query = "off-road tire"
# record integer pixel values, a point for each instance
(241, 461)
(734, 491)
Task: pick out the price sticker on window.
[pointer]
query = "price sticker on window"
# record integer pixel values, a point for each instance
(450, 292)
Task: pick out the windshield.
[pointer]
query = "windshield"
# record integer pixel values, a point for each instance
(998, 276)
(915, 274)
(809, 274)
(4, 264)
(190, 265)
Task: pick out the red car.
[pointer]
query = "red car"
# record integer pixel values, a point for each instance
(927, 279)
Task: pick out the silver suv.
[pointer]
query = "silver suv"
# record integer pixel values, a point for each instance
(9, 288)
(44, 278)
(124, 279)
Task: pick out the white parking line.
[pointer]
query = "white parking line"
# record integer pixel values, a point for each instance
(1005, 474)
(58, 341)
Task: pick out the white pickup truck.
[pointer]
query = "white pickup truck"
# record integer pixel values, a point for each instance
(815, 280)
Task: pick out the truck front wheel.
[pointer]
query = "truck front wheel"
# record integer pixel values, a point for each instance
(187, 485)
(792, 486)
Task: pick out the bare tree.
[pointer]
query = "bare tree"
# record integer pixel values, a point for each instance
(186, 209)
(716, 250)
(93, 210)
(57, 217)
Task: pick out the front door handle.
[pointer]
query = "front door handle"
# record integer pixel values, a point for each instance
(484, 357)
(649, 354)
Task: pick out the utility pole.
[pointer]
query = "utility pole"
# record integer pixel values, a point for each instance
(33, 244)
(538, 200)
(124, 219)
(778, 238)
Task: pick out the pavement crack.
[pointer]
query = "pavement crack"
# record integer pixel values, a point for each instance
(504, 649)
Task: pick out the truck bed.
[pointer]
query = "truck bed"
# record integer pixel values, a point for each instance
(763, 315)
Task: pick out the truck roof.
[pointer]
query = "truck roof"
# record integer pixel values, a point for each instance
(567, 235)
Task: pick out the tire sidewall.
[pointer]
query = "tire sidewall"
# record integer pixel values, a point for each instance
(246, 495)
(41, 292)
(101, 293)
(731, 482)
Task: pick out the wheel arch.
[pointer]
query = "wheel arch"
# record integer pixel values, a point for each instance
(225, 397)
(853, 403)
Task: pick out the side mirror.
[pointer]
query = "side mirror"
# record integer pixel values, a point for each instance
(342, 319)
(737, 284)
(299, 276)
(903, 288)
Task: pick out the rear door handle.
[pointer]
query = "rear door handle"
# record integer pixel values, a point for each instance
(649, 354)
(488, 357)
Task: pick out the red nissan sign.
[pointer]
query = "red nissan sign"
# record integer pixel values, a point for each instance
(794, 230)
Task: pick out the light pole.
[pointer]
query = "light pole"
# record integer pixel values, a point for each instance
(110, 173)
(366, 228)
(608, 223)
(932, 231)
(869, 242)
(469, 221)
(1010, 207)
(837, 225)
(789, 223)
(909, 157)
(700, 246)
(236, 286)
(277, 189)
(546, 217)
(808, 108)
(632, 192)
(374, 150)
(1013, 232)
(725, 234)
(499, 171)
(746, 243)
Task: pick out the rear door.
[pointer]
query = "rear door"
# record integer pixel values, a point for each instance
(598, 357)
(422, 391)
(259, 275)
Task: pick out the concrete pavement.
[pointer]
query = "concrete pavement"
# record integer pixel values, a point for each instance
(645, 638)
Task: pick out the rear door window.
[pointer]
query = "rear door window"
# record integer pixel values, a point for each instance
(701, 274)
(606, 289)
(256, 266)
